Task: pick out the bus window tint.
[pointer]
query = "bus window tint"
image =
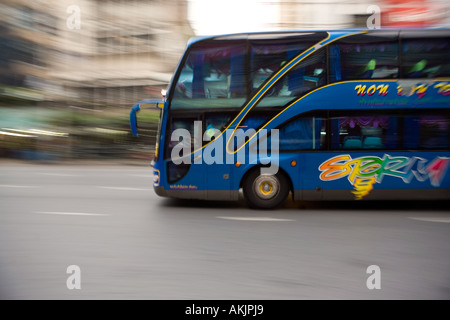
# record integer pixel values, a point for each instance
(306, 133)
(212, 77)
(216, 122)
(308, 75)
(431, 131)
(267, 57)
(354, 61)
(185, 134)
(256, 120)
(364, 132)
(425, 58)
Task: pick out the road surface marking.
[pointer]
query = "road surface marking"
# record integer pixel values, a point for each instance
(253, 219)
(58, 174)
(125, 188)
(442, 220)
(142, 175)
(73, 213)
(15, 186)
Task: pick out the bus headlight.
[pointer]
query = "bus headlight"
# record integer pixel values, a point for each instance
(156, 177)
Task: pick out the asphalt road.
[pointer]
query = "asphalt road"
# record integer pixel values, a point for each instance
(131, 244)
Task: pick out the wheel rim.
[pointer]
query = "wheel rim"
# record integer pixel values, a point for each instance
(266, 187)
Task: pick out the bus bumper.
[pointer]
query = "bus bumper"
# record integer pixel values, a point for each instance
(219, 195)
(160, 191)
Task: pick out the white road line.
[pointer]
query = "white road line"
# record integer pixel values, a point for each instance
(255, 219)
(72, 213)
(58, 174)
(142, 175)
(125, 188)
(15, 186)
(441, 220)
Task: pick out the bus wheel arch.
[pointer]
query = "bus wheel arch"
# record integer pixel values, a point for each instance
(265, 191)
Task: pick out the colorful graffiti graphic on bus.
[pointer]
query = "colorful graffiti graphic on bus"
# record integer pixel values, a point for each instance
(364, 172)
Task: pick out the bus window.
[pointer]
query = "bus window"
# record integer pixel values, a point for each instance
(364, 132)
(186, 137)
(250, 126)
(267, 57)
(212, 77)
(308, 75)
(363, 60)
(425, 58)
(429, 131)
(305, 133)
(256, 120)
(215, 122)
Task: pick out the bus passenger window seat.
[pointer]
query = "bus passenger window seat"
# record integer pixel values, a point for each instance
(417, 70)
(438, 141)
(369, 69)
(385, 72)
(352, 142)
(373, 143)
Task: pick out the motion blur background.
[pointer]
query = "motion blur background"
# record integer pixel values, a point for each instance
(70, 70)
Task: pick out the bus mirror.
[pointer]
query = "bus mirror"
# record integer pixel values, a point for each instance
(137, 107)
(133, 119)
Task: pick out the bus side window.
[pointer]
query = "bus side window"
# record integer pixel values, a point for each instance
(429, 131)
(434, 131)
(309, 74)
(267, 57)
(363, 60)
(306, 133)
(364, 131)
(185, 134)
(425, 58)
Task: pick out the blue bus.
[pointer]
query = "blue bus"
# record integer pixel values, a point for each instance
(321, 115)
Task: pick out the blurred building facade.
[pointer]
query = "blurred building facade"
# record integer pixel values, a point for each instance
(129, 49)
(92, 53)
(323, 14)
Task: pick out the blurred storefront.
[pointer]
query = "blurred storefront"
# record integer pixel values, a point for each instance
(415, 13)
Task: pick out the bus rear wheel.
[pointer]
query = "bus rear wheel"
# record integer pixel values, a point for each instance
(265, 191)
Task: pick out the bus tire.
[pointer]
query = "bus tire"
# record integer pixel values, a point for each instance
(265, 191)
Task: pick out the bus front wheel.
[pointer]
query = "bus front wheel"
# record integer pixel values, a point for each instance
(265, 191)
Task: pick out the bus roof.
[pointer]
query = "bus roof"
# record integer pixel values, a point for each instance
(428, 32)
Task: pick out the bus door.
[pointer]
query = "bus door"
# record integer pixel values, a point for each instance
(302, 140)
